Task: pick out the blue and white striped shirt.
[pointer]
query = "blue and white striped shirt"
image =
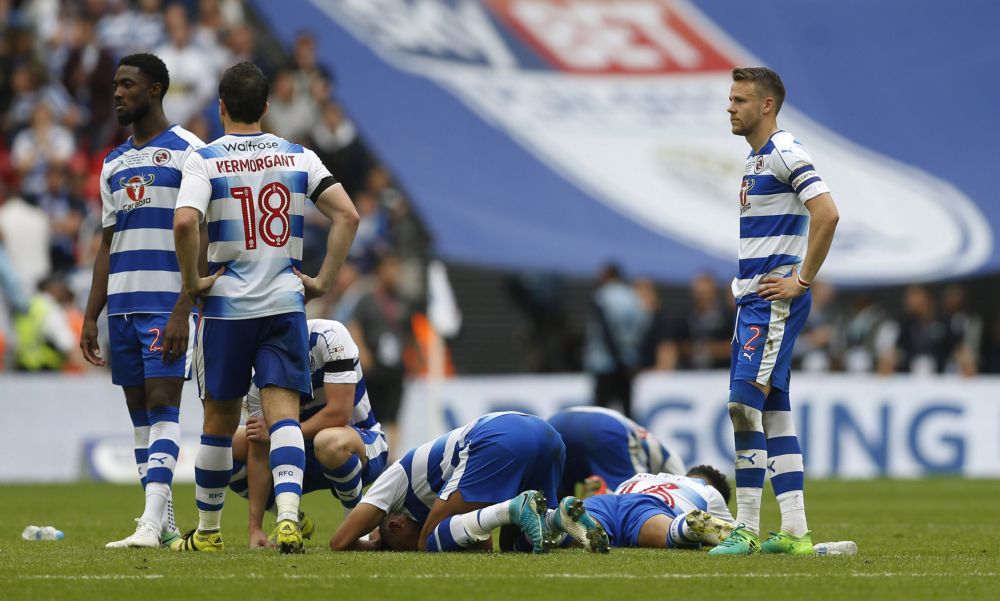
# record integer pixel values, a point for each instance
(646, 451)
(774, 222)
(139, 187)
(252, 189)
(431, 470)
(679, 494)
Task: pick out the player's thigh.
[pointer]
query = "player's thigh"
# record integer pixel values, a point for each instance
(222, 417)
(604, 508)
(135, 398)
(164, 379)
(798, 313)
(240, 445)
(765, 337)
(637, 513)
(125, 354)
(544, 471)
(279, 403)
(335, 445)
(444, 508)
(750, 341)
(164, 392)
(653, 533)
(224, 355)
(281, 358)
(507, 455)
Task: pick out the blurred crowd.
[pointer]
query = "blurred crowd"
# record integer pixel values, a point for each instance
(57, 61)
(629, 328)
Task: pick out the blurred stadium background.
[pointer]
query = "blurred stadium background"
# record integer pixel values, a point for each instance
(503, 154)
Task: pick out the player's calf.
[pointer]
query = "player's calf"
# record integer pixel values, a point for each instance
(341, 450)
(460, 532)
(288, 460)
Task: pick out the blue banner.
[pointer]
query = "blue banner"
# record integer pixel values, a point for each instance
(560, 134)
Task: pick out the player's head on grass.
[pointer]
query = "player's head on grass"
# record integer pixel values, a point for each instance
(755, 99)
(713, 478)
(139, 85)
(399, 533)
(243, 93)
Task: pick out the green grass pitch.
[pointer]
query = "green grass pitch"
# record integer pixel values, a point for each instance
(924, 539)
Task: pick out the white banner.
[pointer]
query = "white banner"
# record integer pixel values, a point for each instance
(63, 428)
(849, 426)
(56, 428)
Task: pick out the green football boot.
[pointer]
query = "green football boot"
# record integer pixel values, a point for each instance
(781, 542)
(167, 538)
(740, 542)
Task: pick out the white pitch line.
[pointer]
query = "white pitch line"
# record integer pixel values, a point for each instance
(87, 577)
(558, 576)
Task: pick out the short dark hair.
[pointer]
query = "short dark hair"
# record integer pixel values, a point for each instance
(152, 66)
(766, 81)
(715, 479)
(244, 89)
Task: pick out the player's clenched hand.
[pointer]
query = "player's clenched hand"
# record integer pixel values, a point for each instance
(257, 430)
(88, 343)
(313, 287)
(175, 338)
(773, 288)
(201, 287)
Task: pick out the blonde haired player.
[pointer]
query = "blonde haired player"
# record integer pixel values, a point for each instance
(787, 221)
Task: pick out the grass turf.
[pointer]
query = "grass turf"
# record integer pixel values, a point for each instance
(917, 540)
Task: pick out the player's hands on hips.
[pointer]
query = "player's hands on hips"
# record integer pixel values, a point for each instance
(88, 343)
(314, 289)
(175, 339)
(773, 288)
(197, 291)
(257, 430)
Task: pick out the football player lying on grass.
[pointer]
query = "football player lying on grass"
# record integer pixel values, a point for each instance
(449, 494)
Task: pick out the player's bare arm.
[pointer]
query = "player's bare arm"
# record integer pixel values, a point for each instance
(176, 335)
(258, 479)
(360, 522)
(337, 411)
(823, 218)
(187, 241)
(97, 299)
(336, 205)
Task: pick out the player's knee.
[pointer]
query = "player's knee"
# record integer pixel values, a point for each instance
(240, 444)
(158, 398)
(744, 417)
(332, 447)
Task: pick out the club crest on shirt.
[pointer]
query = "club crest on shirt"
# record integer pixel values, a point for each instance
(135, 189)
(745, 188)
(758, 164)
(161, 157)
